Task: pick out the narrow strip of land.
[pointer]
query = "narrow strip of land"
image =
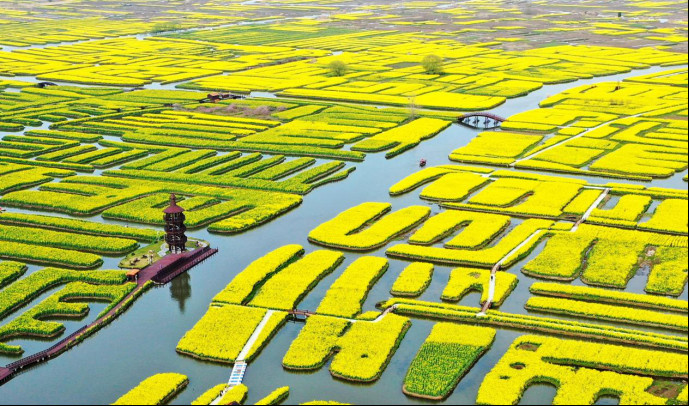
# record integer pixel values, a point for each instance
(590, 209)
(164, 270)
(496, 268)
(240, 365)
(588, 130)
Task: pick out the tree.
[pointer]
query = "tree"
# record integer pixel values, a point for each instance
(337, 68)
(432, 64)
(165, 27)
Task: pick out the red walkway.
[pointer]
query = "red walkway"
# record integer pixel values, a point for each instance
(4, 374)
(160, 273)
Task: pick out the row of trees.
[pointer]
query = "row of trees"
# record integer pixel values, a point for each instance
(432, 65)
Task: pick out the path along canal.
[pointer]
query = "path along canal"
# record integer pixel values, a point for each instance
(142, 341)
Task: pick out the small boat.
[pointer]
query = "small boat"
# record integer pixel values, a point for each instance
(422, 162)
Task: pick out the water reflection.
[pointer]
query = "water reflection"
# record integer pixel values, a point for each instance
(90, 382)
(180, 290)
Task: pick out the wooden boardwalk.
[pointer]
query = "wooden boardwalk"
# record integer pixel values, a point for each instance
(5, 374)
(174, 265)
(57, 349)
(161, 272)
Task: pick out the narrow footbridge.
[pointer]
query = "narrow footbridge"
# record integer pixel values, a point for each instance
(497, 267)
(240, 364)
(7, 372)
(237, 375)
(161, 273)
(297, 314)
(480, 120)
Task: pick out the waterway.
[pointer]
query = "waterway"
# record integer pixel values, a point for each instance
(142, 341)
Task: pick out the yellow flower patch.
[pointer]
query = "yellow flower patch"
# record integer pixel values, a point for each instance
(366, 226)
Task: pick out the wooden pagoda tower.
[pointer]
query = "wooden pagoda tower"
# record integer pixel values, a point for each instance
(174, 227)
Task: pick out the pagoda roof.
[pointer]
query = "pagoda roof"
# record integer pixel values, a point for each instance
(173, 208)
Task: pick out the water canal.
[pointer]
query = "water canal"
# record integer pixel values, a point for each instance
(142, 341)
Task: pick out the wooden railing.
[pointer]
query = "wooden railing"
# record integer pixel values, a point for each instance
(183, 264)
(45, 354)
(481, 114)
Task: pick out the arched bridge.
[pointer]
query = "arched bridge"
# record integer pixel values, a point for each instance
(480, 120)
